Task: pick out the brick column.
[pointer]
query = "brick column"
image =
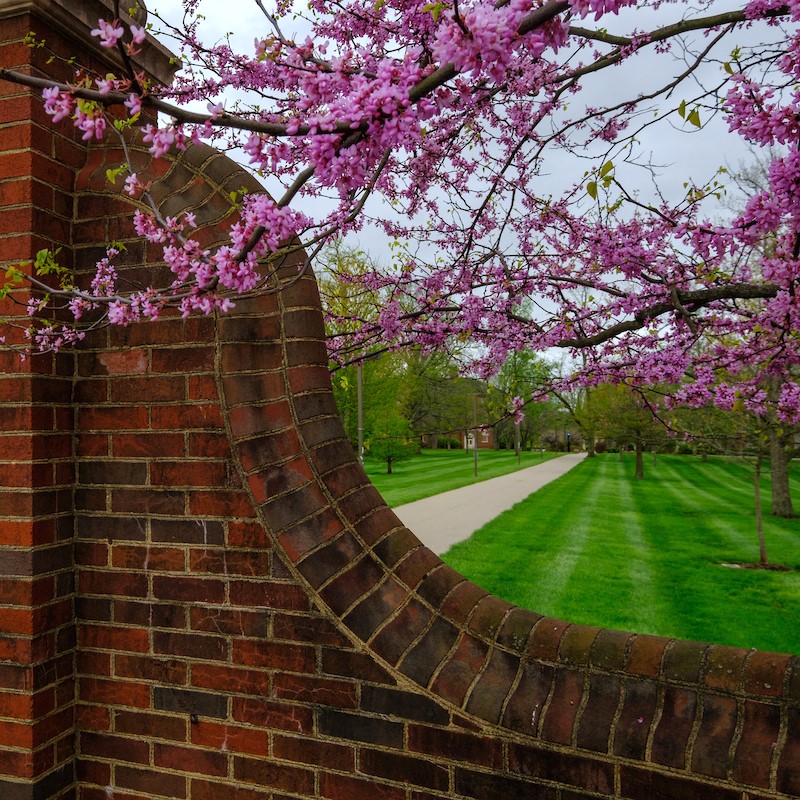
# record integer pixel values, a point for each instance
(38, 163)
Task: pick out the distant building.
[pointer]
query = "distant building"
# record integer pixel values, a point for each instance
(485, 437)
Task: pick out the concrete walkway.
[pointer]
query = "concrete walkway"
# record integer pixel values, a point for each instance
(444, 519)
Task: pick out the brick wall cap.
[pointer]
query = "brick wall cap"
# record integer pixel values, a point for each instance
(78, 17)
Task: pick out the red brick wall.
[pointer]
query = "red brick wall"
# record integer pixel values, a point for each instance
(248, 620)
(37, 632)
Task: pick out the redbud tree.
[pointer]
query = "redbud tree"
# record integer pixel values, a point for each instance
(498, 145)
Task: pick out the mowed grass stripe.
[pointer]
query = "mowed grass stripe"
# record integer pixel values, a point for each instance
(645, 555)
(436, 471)
(644, 607)
(681, 541)
(518, 575)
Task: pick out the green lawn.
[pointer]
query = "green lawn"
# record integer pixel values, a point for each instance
(600, 548)
(435, 471)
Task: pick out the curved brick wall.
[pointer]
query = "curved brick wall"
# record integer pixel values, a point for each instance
(593, 712)
(203, 598)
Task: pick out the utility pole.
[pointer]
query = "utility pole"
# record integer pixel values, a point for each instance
(475, 431)
(360, 411)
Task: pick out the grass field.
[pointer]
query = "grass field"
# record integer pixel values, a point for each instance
(435, 471)
(600, 548)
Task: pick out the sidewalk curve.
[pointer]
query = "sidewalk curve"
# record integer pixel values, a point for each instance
(444, 519)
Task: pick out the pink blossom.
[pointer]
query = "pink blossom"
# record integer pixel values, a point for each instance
(138, 34)
(57, 104)
(109, 32)
(133, 104)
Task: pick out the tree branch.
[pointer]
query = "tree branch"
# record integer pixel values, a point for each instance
(696, 299)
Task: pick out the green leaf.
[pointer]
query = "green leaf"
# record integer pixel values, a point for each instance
(728, 68)
(113, 174)
(694, 118)
(591, 189)
(606, 168)
(435, 9)
(682, 109)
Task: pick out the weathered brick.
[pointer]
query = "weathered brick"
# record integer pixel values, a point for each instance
(268, 594)
(756, 747)
(148, 781)
(111, 638)
(724, 668)
(316, 690)
(186, 701)
(789, 764)
(683, 661)
(647, 654)
(710, 753)
(352, 664)
(594, 727)
(360, 728)
(563, 708)
(229, 621)
(487, 786)
(396, 767)
(426, 655)
(201, 646)
(107, 582)
(273, 715)
(221, 790)
(275, 655)
(546, 638)
(234, 679)
(455, 746)
(198, 760)
(565, 768)
(150, 725)
(460, 670)
(325, 562)
(636, 718)
(119, 749)
(675, 726)
(641, 784)
(764, 673)
(233, 738)
(184, 588)
(406, 705)
(114, 692)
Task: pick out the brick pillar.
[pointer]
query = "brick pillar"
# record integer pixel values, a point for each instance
(38, 163)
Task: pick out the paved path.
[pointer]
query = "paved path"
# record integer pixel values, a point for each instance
(444, 519)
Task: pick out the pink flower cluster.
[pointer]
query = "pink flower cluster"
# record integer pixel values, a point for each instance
(110, 33)
(485, 38)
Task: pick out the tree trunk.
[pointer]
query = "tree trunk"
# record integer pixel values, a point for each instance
(639, 475)
(388, 465)
(762, 544)
(779, 466)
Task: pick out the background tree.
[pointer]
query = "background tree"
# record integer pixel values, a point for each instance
(435, 401)
(623, 416)
(520, 376)
(390, 438)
